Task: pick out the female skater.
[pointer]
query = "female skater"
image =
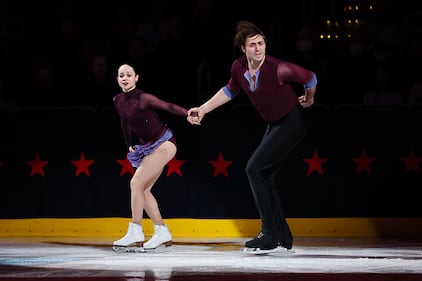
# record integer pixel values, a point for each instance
(151, 146)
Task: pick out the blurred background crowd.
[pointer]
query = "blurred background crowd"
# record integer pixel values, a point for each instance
(66, 53)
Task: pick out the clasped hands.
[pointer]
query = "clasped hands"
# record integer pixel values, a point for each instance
(195, 116)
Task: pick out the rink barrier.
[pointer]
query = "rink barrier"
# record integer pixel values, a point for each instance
(214, 228)
(341, 187)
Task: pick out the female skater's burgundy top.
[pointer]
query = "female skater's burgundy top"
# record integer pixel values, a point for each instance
(138, 116)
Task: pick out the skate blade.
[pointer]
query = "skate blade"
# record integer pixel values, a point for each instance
(276, 251)
(125, 249)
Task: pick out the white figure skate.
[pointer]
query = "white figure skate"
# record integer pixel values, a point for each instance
(161, 237)
(133, 240)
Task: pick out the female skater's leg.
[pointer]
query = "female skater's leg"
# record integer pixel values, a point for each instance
(140, 185)
(156, 163)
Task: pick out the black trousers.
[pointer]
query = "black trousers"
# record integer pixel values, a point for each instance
(266, 162)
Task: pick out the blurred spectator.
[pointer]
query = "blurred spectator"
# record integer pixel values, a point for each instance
(7, 103)
(154, 25)
(355, 70)
(385, 92)
(415, 94)
(412, 23)
(122, 33)
(98, 87)
(306, 51)
(137, 52)
(309, 53)
(382, 30)
(43, 89)
(411, 61)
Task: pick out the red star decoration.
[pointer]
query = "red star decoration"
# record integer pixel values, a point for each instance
(220, 166)
(37, 165)
(173, 166)
(82, 165)
(315, 163)
(363, 162)
(126, 167)
(412, 162)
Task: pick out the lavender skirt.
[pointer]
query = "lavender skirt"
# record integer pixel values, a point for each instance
(135, 157)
